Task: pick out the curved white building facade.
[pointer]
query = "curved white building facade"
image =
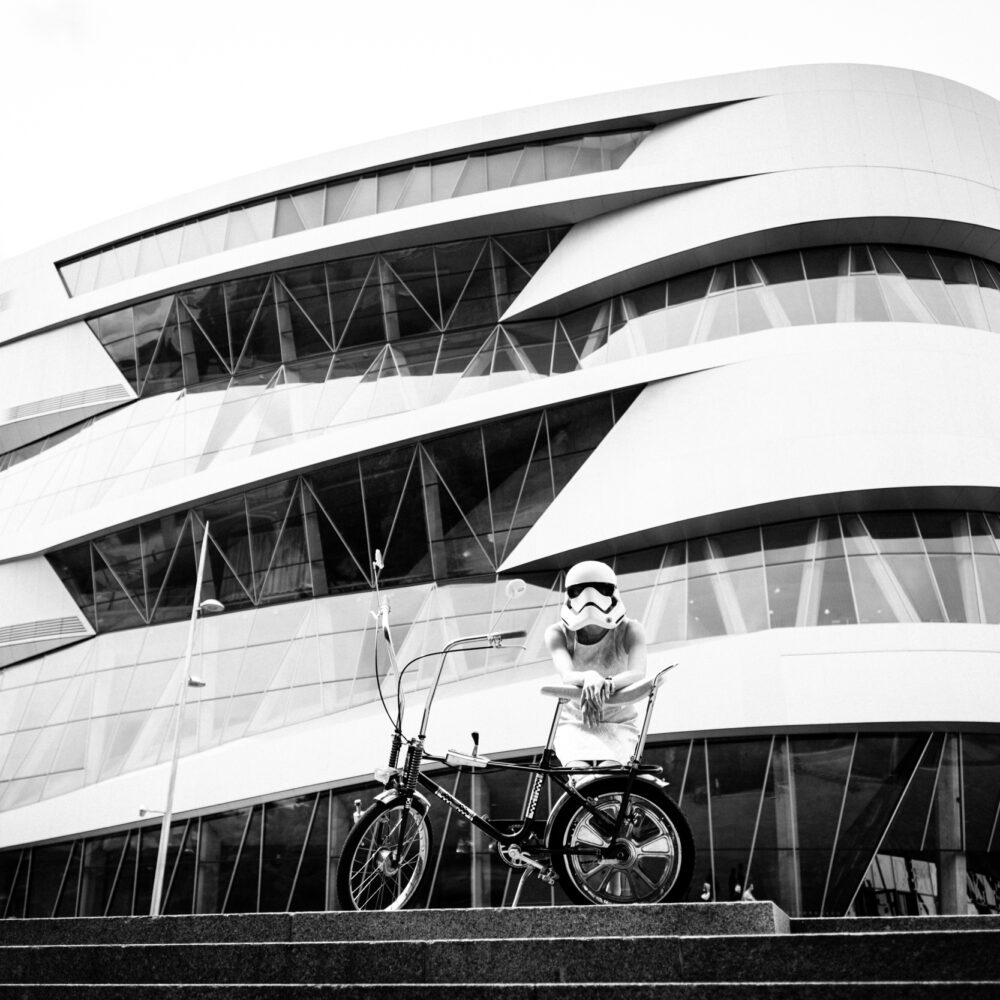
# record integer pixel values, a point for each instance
(738, 336)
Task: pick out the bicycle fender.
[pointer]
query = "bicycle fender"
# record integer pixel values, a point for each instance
(648, 778)
(420, 802)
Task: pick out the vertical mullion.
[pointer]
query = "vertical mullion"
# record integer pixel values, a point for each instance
(302, 853)
(62, 881)
(840, 820)
(444, 837)
(118, 871)
(711, 832)
(937, 776)
(687, 765)
(236, 862)
(760, 811)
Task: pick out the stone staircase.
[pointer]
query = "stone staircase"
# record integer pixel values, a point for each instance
(739, 950)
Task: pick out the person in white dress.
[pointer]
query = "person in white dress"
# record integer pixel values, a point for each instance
(598, 649)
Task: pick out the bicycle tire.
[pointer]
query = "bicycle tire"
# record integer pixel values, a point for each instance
(368, 876)
(655, 853)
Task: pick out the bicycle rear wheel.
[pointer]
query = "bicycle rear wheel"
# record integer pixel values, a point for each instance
(385, 856)
(653, 854)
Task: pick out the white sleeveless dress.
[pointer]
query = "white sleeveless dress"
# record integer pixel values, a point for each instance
(615, 736)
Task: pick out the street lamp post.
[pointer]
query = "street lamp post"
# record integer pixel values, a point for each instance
(198, 607)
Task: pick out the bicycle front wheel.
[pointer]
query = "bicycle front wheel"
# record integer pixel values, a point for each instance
(652, 857)
(385, 856)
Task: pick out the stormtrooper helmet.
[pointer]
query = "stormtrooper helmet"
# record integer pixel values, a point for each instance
(592, 597)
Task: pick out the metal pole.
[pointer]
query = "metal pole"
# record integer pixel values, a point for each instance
(161, 853)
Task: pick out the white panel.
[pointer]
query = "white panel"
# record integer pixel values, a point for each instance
(885, 409)
(37, 614)
(621, 249)
(53, 380)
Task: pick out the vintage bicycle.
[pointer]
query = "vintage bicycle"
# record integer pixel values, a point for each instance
(614, 835)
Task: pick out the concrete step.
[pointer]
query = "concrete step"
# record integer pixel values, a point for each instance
(409, 925)
(737, 950)
(486, 991)
(949, 956)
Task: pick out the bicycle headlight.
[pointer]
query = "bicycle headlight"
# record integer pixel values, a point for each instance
(383, 775)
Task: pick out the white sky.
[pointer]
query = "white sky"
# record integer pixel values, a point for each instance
(110, 105)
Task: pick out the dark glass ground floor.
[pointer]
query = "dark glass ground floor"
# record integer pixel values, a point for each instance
(823, 824)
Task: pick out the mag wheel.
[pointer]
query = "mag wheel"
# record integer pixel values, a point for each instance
(385, 856)
(652, 856)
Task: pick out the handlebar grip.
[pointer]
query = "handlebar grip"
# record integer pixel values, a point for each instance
(516, 634)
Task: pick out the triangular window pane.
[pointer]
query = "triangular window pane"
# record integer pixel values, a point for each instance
(522, 493)
(564, 357)
(455, 263)
(263, 346)
(73, 565)
(309, 205)
(194, 244)
(304, 331)
(461, 466)
(506, 357)
(363, 199)
(531, 168)
(390, 187)
(333, 565)
(345, 280)
(208, 360)
(478, 305)
(70, 274)
(159, 543)
(128, 258)
(115, 331)
(559, 158)
(588, 328)
(338, 495)
(338, 197)
(243, 301)
(207, 307)
(417, 270)
(534, 341)
(150, 259)
(374, 370)
(288, 220)
(117, 605)
(214, 231)
(405, 310)
(289, 576)
(261, 218)
(473, 179)
(239, 231)
(177, 593)
(160, 363)
(108, 271)
(482, 363)
(501, 167)
(230, 563)
(418, 188)
(444, 177)
(267, 508)
(456, 548)
(394, 501)
(169, 242)
(366, 322)
(88, 274)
